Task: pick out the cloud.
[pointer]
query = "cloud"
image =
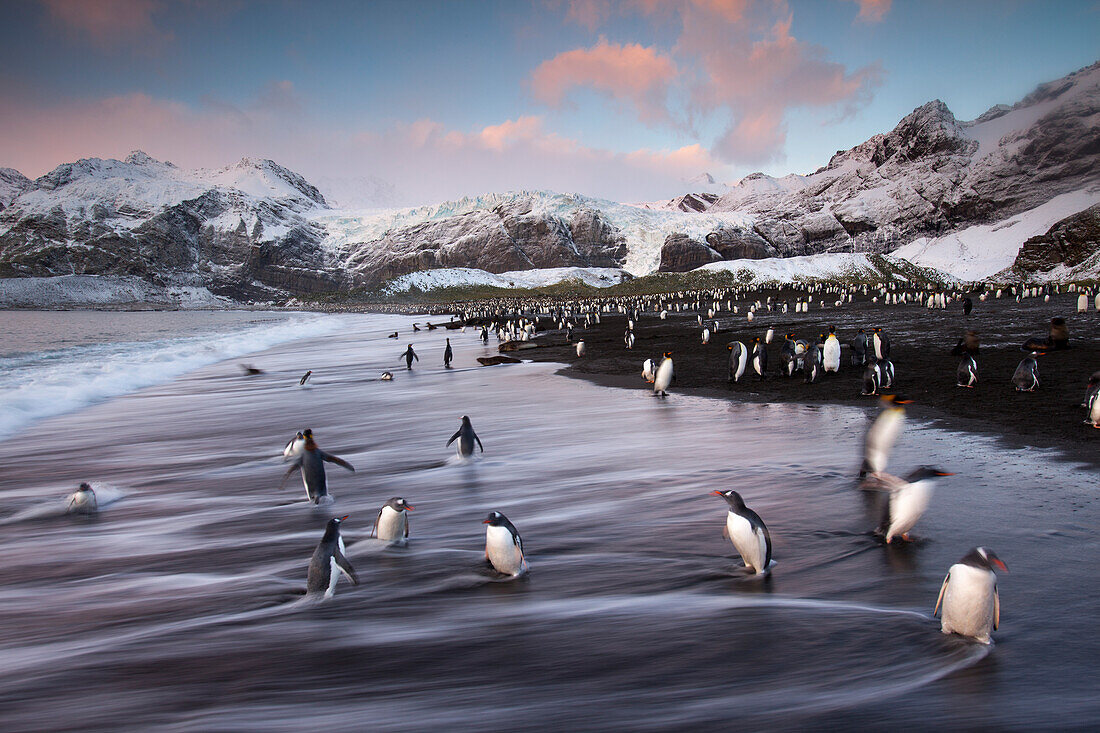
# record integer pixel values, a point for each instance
(110, 24)
(630, 73)
(872, 11)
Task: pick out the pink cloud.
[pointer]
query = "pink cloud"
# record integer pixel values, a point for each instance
(110, 23)
(629, 73)
(873, 11)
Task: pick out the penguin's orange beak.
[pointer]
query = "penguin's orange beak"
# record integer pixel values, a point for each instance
(943, 473)
(485, 521)
(344, 518)
(997, 561)
(716, 492)
(409, 507)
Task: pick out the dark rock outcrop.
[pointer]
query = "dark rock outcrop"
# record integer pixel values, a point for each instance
(1070, 242)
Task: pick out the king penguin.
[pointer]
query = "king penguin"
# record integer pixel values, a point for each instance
(392, 522)
(466, 436)
(859, 348)
(328, 561)
(830, 353)
(906, 499)
(759, 358)
(311, 461)
(504, 546)
(82, 501)
(971, 603)
(664, 376)
(880, 344)
(747, 532)
(739, 360)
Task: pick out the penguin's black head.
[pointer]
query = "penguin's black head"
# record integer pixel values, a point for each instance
(926, 472)
(397, 503)
(84, 487)
(495, 519)
(832, 329)
(861, 331)
(983, 557)
(1094, 379)
(465, 420)
(332, 529)
(732, 498)
(307, 433)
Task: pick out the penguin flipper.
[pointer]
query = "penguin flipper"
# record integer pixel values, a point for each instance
(293, 467)
(378, 518)
(345, 567)
(479, 445)
(406, 525)
(767, 547)
(996, 607)
(454, 437)
(943, 588)
(338, 461)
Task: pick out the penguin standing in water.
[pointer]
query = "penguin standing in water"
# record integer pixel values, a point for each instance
(1092, 400)
(82, 501)
(484, 335)
(967, 373)
(830, 352)
(328, 561)
(392, 523)
(664, 376)
(882, 434)
(880, 344)
(746, 530)
(1026, 376)
(859, 348)
(971, 604)
(466, 437)
(739, 360)
(906, 501)
(305, 378)
(504, 546)
(448, 355)
(311, 461)
(759, 359)
(408, 356)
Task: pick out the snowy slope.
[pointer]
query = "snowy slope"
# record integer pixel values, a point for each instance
(600, 277)
(828, 266)
(100, 290)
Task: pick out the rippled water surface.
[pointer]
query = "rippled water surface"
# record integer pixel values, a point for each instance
(180, 607)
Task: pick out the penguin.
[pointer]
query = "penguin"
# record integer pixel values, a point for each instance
(649, 372)
(294, 446)
(251, 371)
(830, 352)
(968, 306)
(906, 501)
(1083, 303)
(387, 376)
(82, 501)
(759, 359)
(311, 461)
(504, 546)
(328, 561)
(787, 353)
(448, 355)
(859, 348)
(580, 348)
(1026, 376)
(305, 377)
(812, 361)
(628, 339)
(739, 360)
(967, 373)
(416, 327)
(769, 335)
(393, 335)
(1092, 400)
(748, 533)
(706, 336)
(971, 604)
(466, 437)
(392, 522)
(409, 355)
(882, 434)
(872, 377)
(886, 374)
(484, 335)
(664, 376)
(880, 344)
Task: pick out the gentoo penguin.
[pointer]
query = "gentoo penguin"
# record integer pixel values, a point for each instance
(1092, 400)
(466, 437)
(1026, 376)
(759, 358)
(739, 360)
(82, 501)
(294, 447)
(907, 500)
(628, 339)
(859, 348)
(409, 355)
(880, 344)
(830, 352)
(416, 327)
(387, 376)
(250, 371)
(328, 561)
(968, 305)
(967, 373)
(305, 377)
(747, 532)
(769, 335)
(393, 335)
(971, 604)
(649, 371)
(392, 524)
(484, 335)
(664, 376)
(448, 355)
(311, 461)
(882, 434)
(886, 374)
(872, 377)
(706, 336)
(580, 348)
(503, 545)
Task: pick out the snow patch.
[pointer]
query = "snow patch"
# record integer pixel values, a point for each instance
(827, 266)
(600, 277)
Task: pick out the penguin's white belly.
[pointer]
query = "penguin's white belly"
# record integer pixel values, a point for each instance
(756, 365)
(333, 576)
(881, 438)
(391, 525)
(831, 355)
(968, 602)
(749, 543)
(741, 362)
(503, 552)
(906, 507)
(81, 502)
(1094, 410)
(664, 376)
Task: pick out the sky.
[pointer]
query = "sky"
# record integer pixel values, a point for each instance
(420, 101)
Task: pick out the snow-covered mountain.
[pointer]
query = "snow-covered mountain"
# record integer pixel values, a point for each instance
(960, 196)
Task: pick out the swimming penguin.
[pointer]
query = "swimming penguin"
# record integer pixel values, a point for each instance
(328, 561)
(664, 376)
(830, 352)
(859, 348)
(747, 532)
(880, 344)
(82, 501)
(759, 359)
(882, 434)
(907, 499)
(305, 377)
(466, 437)
(311, 462)
(971, 604)
(967, 373)
(503, 545)
(448, 355)
(1092, 400)
(409, 355)
(393, 335)
(392, 524)
(649, 371)
(580, 348)
(1026, 376)
(416, 327)
(294, 446)
(387, 376)
(739, 360)
(250, 371)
